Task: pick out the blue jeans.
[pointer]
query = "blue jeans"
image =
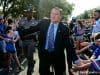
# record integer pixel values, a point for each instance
(2, 46)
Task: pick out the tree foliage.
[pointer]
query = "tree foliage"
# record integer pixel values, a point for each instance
(87, 14)
(46, 5)
(16, 7)
(42, 7)
(6, 4)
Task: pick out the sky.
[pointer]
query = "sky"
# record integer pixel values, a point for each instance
(82, 5)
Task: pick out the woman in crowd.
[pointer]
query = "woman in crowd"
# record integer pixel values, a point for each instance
(13, 37)
(79, 30)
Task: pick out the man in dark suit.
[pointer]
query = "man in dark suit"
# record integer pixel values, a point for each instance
(54, 37)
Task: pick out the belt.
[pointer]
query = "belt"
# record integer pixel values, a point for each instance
(50, 50)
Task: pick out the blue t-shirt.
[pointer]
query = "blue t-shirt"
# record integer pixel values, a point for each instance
(93, 47)
(2, 33)
(96, 28)
(2, 30)
(97, 52)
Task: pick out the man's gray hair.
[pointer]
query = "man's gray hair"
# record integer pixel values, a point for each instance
(57, 8)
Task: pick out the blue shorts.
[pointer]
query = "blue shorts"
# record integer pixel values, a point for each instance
(10, 47)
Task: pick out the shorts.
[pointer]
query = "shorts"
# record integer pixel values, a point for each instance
(10, 48)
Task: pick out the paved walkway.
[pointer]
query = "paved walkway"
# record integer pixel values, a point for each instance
(36, 69)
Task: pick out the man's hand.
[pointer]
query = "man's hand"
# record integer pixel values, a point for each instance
(86, 61)
(82, 67)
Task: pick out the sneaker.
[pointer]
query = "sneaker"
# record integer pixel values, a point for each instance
(21, 68)
(10, 68)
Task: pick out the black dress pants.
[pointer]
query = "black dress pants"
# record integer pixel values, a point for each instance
(57, 64)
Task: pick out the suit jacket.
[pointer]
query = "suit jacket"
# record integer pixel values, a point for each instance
(62, 39)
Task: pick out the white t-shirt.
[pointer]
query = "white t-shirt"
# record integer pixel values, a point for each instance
(16, 34)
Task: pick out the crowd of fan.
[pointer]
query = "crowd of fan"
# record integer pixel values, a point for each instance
(80, 30)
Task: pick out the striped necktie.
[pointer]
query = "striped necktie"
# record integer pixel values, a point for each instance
(51, 39)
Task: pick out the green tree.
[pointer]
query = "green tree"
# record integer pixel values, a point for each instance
(6, 4)
(42, 7)
(87, 14)
(16, 7)
(46, 5)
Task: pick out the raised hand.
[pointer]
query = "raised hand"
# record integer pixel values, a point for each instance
(82, 65)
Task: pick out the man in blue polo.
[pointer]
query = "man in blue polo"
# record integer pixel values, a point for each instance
(2, 34)
(96, 28)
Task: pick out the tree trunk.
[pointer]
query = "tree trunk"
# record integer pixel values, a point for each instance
(4, 9)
